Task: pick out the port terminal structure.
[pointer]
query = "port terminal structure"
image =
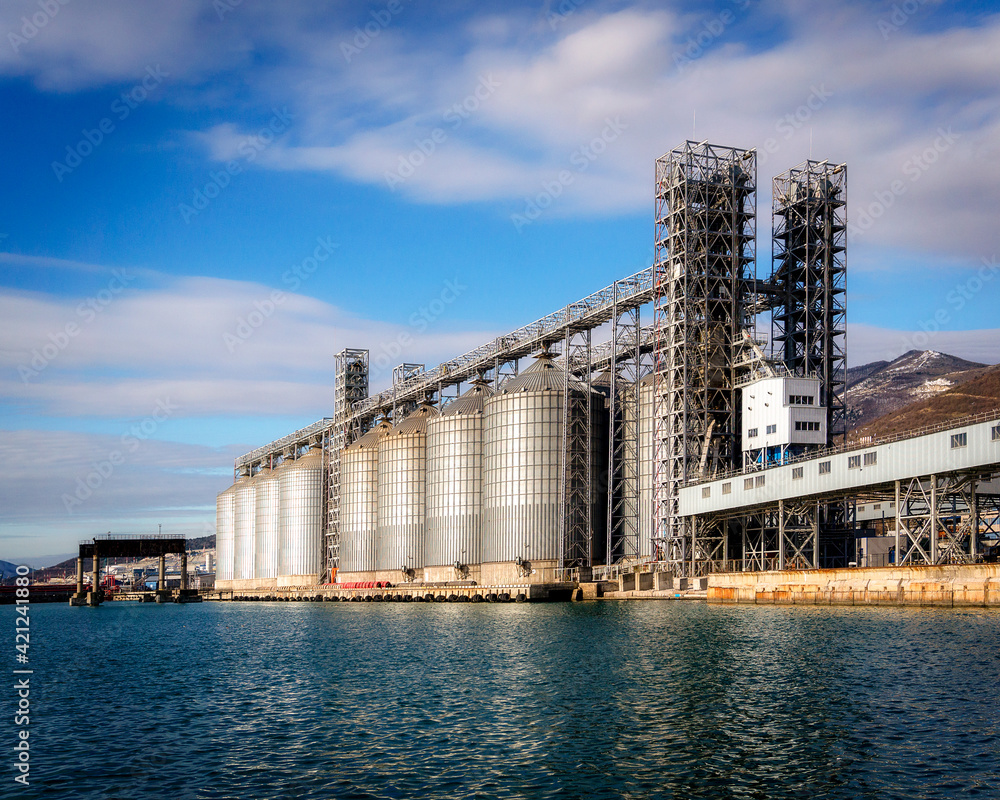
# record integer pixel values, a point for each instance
(123, 546)
(735, 373)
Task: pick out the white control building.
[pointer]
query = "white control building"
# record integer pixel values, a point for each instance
(782, 418)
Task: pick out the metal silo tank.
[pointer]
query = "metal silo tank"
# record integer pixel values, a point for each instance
(266, 523)
(300, 530)
(359, 506)
(225, 510)
(402, 468)
(455, 488)
(243, 536)
(522, 475)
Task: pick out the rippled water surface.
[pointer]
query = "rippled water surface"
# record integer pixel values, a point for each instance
(596, 700)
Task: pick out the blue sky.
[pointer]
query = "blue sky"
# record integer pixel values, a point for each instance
(173, 170)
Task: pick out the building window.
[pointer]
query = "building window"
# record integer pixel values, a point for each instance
(800, 400)
(877, 507)
(824, 467)
(752, 433)
(854, 462)
(759, 481)
(807, 426)
(727, 488)
(996, 433)
(959, 440)
(797, 473)
(706, 491)
(747, 483)
(772, 429)
(871, 458)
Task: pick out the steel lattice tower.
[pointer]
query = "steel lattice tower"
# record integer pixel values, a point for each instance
(350, 386)
(704, 251)
(809, 243)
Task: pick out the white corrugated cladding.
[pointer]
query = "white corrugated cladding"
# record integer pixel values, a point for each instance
(939, 453)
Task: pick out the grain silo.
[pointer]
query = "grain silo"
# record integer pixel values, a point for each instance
(300, 530)
(225, 510)
(359, 506)
(523, 475)
(453, 539)
(243, 532)
(402, 470)
(266, 522)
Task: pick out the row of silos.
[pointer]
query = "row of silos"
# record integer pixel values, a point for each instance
(472, 493)
(269, 527)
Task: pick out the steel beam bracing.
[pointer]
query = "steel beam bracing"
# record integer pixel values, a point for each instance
(350, 386)
(809, 244)
(705, 207)
(576, 502)
(624, 363)
(938, 519)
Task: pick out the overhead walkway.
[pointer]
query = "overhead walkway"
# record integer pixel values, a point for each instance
(934, 477)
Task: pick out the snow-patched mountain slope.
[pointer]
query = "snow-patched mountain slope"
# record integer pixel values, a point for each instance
(977, 395)
(881, 388)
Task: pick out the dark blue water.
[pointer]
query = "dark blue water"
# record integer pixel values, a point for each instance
(597, 700)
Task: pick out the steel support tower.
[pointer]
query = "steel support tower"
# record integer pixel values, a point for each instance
(576, 501)
(623, 456)
(809, 318)
(705, 212)
(350, 386)
(809, 246)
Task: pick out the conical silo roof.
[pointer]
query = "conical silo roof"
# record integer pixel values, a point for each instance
(471, 402)
(542, 376)
(416, 421)
(371, 439)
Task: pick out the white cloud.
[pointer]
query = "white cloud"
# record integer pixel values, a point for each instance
(210, 346)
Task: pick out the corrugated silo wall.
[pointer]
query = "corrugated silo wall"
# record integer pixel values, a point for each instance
(402, 467)
(300, 531)
(522, 466)
(358, 511)
(454, 492)
(225, 511)
(266, 526)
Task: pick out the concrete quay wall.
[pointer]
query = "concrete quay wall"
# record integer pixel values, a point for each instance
(959, 585)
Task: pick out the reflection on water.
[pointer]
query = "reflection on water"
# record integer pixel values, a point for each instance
(596, 700)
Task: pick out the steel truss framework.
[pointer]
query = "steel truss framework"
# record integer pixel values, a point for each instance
(350, 386)
(809, 244)
(576, 502)
(623, 455)
(939, 519)
(704, 251)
